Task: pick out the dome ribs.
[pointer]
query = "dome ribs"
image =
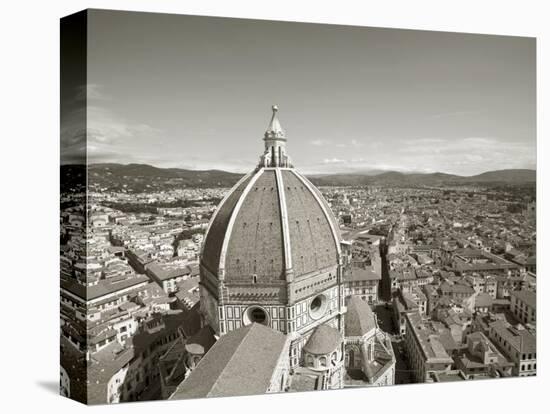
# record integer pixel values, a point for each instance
(310, 232)
(214, 237)
(261, 240)
(273, 227)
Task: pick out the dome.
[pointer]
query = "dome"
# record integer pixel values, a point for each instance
(324, 340)
(274, 225)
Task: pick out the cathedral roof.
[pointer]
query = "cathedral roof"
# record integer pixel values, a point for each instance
(359, 317)
(273, 223)
(242, 362)
(324, 340)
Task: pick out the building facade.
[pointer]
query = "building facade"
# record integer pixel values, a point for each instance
(523, 304)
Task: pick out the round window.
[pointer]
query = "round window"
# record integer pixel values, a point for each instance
(255, 314)
(258, 315)
(318, 306)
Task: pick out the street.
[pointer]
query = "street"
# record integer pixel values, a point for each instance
(385, 322)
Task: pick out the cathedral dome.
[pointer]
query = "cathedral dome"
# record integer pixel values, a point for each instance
(274, 225)
(324, 340)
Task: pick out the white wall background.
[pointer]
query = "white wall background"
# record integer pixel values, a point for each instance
(29, 177)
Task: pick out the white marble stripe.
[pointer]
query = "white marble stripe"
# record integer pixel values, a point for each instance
(227, 236)
(284, 223)
(224, 199)
(321, 204)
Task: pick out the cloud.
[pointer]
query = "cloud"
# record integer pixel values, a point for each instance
(353, 143)
(106, 127)
(333, 161)
(463, 156)
(356, 144)
(109, 133)
(320, 142)
(473, 150)
(90, 130)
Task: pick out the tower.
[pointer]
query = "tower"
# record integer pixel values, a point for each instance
(275, 144)
(271, 255)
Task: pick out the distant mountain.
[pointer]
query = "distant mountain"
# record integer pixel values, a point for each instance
(385, 178)
(507, 176)
(400, 178)
(143, 177)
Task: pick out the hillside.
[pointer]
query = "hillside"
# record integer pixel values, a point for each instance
(143, 177)
(398, 178)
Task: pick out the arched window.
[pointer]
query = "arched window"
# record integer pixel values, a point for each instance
(255, 314)
(351, 357)
(334, 358)
(309, 361)
(323, 361)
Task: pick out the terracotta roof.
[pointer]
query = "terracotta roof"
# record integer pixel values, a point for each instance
(357, 273)
(324, 340)
(313, 245)
(483, 300)
(519, 339)
(162, 272)
(456, 288)
(101, 368)
(256, 241)
(242, 362)
(428, 338)
(104, 287)
(359, 317)
(251, 222)
(216, 231)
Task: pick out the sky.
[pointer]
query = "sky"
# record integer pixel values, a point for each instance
(196, 92)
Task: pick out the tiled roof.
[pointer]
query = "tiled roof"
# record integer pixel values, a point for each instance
(242, 362)
(256, 241)
(362, 274)
(428, 339)
(101, 368)
(520, 339)
(483, 300)
(359, 317)
(252, 222)
(104, 287)
(324, 340)
(218, 226)
(160, 272)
